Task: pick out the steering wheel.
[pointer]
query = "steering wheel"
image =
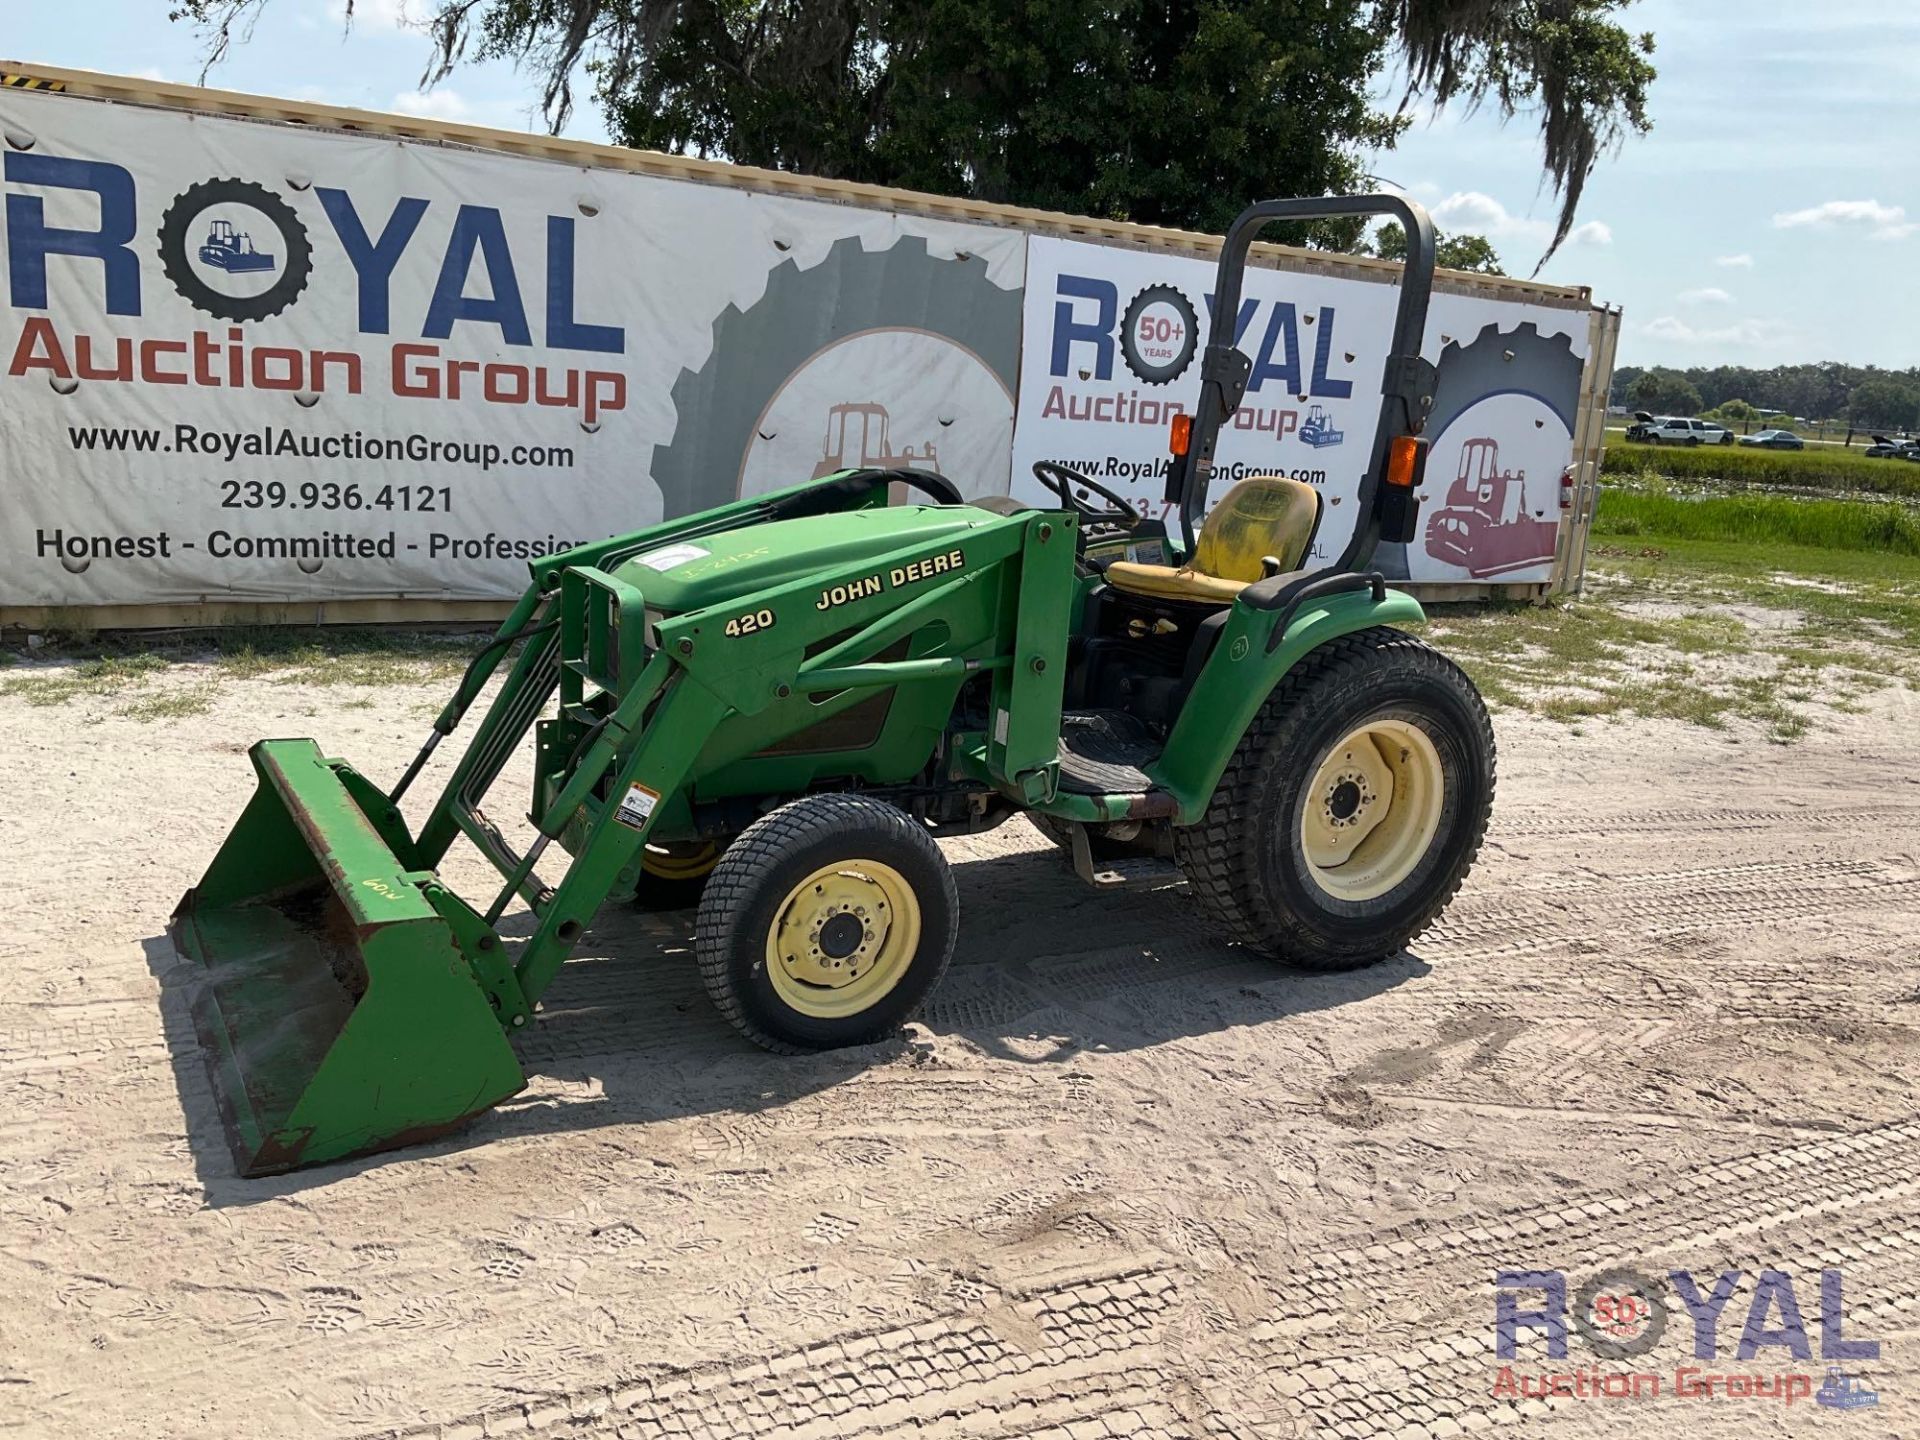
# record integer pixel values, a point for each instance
(1061, 480)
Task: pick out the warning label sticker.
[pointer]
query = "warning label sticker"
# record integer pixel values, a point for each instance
(673, 555)
(637, 806)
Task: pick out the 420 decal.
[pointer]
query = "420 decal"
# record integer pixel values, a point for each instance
(751, 623)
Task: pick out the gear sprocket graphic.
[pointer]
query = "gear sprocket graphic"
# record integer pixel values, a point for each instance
(1496, 362)
(1148, 372)
(758, 349)
(176, 241)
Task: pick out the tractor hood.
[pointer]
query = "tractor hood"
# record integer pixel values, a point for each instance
(693, 574)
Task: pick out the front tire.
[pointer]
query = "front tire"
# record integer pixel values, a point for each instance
(1352, 808)
(826, 924)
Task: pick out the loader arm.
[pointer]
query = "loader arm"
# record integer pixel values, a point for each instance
(535, 673)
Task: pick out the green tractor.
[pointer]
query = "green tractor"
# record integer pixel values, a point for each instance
(780, 704)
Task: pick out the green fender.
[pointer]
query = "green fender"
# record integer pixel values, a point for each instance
(1239, 676)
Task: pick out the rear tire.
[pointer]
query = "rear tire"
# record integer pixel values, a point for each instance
(674, 875)
(1352, 808)
(826, 924)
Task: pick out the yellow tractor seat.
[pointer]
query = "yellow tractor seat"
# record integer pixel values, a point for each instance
(1260, 517)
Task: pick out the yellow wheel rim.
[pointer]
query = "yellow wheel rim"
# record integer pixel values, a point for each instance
(680, 860)
(843, 938)
(1372, 809)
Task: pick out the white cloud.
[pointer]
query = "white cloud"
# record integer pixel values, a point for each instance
(439, 103)
(1742, 332)
(1706, 295)
(1474, 213)
(1735, 262)
(1882, 222)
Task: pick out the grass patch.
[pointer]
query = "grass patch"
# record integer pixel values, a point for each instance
(1818, 467)
(1759, 520)
(102, 676)
(171, 704)
(342, 657)
(80, 667)
(1716, 610)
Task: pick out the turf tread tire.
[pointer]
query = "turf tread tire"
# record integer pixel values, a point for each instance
(737, 887)
(1214, 854)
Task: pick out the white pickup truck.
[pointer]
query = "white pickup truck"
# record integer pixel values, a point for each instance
(1687, 432)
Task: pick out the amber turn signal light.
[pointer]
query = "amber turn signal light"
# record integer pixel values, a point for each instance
(1404, 457)
(1180, 434)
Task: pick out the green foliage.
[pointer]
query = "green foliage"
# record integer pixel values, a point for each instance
(1569, 59)
(1885, 403)
(1817, 392)
(1664, 393)
(1736, 414)
(1760, 520)
(1452, 252)
(1158, 111)
(1169, 112)
(1818, 467)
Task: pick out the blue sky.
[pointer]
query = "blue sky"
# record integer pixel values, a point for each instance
(1772, 216)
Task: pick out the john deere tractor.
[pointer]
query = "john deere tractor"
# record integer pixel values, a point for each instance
(784, 702)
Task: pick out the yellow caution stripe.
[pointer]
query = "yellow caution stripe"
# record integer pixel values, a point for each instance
(31, 82)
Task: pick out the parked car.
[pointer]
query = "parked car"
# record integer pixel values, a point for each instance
(1775, 440)
(1676, 431)
(1883, 448)
(1642, 425)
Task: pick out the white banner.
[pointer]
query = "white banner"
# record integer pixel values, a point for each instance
(254, 362)
(1110, 354)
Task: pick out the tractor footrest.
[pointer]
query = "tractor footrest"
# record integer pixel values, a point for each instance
(1102, 752)
(1144, 872)
(1132, 872)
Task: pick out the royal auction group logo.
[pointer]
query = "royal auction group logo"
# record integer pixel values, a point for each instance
(235, 249)
(1622, 1315)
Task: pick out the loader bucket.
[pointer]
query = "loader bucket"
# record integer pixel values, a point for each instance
(336, 1008)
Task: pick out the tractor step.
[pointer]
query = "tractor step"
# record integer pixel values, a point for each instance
(1103, 752)
(1132, 872)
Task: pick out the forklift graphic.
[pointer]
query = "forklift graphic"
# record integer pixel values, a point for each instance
(1318, 430)
(226, 248)
(872, 450)
(1842, 1391)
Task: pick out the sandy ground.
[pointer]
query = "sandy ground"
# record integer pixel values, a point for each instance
(1121, 1181)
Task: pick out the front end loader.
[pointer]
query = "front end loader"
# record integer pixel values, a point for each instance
(779, 705)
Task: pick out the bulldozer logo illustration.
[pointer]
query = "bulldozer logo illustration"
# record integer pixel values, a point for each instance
(1317, 430)
(857, 438)
(1841, 1391)
(1485, 527)
(214, 261)
(230, 249)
